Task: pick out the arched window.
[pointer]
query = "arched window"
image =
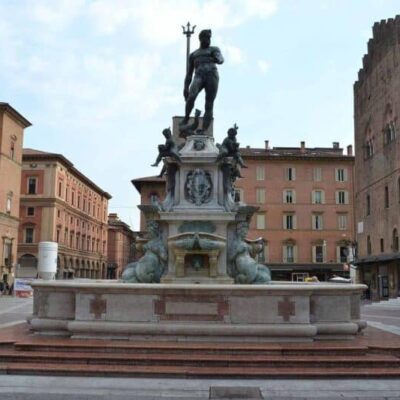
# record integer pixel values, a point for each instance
(369, 246)
(395, 240)
(389, 129)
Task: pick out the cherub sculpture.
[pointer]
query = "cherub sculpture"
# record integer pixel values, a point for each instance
(169, 149)
(230, 147)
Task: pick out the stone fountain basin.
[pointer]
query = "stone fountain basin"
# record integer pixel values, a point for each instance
(197, 312)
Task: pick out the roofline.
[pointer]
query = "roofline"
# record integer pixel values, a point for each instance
(68, 164)
(19, 117)
(138, 182)
(300, 157)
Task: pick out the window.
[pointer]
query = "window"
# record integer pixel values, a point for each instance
(79, 201)
(369, 149)
(239, 195)
(395, 240)
(289, 196)
(341, 174)
(8, 204)
(342, 254)
(289, 221)
(386, 197)
(382, 242)
(73, 198)
(59, 189)
(319, 253)
(32, 182)
(389, 133)
(30, 211)
(58, 236)
(12, 151)
(260, 195)
(317, 174)
(260, 173)
(342, 197)
(369, 246)
(29, 235)
(342, 222)
(317, 222)
(290, 173)
(318, 197)
(368, 205)
(288, 253)
(66, 194)
(260, 221)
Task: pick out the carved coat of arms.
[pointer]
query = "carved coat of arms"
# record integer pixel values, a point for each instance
(198, 187)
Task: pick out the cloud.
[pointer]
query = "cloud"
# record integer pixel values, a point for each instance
(234, 54)
(263, 66)
(156, 20)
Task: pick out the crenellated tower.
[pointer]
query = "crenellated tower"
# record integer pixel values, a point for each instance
(377, 166)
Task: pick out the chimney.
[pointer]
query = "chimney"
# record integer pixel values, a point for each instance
(266, 144)
(302, 146)
(113, 216)
(349, 150)
(335, 145)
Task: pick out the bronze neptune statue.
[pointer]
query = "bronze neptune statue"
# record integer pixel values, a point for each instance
(203, 63)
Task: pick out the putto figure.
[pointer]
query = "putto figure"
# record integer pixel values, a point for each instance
(230, 147)
(169, 149)
(203, 63)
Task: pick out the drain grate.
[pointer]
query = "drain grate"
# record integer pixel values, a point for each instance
(235, 392)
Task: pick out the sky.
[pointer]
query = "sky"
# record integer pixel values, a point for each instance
(101, 79)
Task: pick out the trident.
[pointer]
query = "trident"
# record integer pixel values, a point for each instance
(188, 32)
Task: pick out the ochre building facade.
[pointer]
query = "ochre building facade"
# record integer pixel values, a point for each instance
(12, 125)
(377, 183)
(60, 204)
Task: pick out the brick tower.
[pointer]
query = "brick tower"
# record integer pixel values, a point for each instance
(377, 164)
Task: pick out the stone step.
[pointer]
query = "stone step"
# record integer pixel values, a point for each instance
(68, 345)
(192, 371)
(224, 360)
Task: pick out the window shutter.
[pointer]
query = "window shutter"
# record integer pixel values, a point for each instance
(295, 253)
(338, 254)
(345, 174)
(312, 221)
(314, 254)
(336, 174)
(321, 222)
(293, 174)
(313, 197)
(324, 253)
(337, 197)
(284, 221)
(284, 253)
(266, 253)
(346, 197)
(323, 196)
(284, 196)
(294, 222)
(293, 196)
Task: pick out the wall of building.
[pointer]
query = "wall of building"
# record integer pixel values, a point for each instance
(11, 140)
(273, 210)
(376, 111)
(68, 211)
